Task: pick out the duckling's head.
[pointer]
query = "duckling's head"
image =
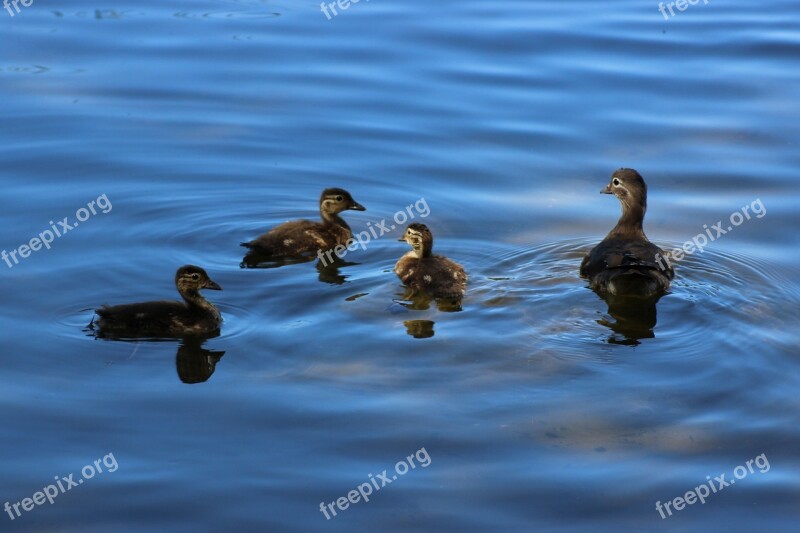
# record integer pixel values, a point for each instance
(629, 187)
(190, 279)
(334, 201)
(420, 238)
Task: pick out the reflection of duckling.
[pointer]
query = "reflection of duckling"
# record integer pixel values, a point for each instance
(425, 273)
(195, 315)
(626, 262)
(419, 329)
(300, 237)
(194, 363)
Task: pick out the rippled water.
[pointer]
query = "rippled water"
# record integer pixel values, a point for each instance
(205, 123)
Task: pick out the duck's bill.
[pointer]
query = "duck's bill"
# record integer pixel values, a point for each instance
(606, 190)
(213, 285)
(355, 206)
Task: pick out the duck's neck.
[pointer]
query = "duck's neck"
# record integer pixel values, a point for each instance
(195, 300)
(423, 251)
(333, 218)
(630, 224)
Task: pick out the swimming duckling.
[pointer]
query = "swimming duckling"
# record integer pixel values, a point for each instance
(425, 273)
(300, 237)
(626, 262)
(194, 316)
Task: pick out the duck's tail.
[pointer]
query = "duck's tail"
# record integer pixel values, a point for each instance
(91, 325)
(637, 282)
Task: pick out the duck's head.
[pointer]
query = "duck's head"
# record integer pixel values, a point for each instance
(629, 187)
(420, 238)
(334, 201)
(190, 279)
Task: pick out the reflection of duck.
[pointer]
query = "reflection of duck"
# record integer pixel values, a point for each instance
(194, 363)
(329, 273)
(635, 319)
(626, 262)
(195, 315)
(419, 329)
(300, 237)
(427, 274)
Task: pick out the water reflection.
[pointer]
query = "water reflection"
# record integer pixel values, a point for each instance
(328, 273)
(194, 363)
(634, 318)
(255, 259)
(419, 329)
(422, 302)
(424, 329)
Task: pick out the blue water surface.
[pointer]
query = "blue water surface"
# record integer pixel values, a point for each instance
(199, 124)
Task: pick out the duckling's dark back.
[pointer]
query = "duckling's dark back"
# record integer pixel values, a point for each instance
(153, 319)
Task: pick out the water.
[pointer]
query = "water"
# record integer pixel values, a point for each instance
(205, 123)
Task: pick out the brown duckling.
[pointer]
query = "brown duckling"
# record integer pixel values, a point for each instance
(626, 263)
(194, 316)
(425, 273)
(300, 237)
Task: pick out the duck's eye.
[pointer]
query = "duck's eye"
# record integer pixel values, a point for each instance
(615, 182)
(195, 277)
(339, 198)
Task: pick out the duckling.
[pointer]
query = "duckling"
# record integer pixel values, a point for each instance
(300, 237)
(626, 263)
(194, 316)
(425, 273)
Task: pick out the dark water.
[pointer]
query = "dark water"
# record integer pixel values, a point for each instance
(205, 123)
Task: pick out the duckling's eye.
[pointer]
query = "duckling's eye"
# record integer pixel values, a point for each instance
(615, 182)
(339, 198)
(195, 277)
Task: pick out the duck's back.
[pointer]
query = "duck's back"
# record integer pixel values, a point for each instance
(624, 266)
(154, 319)
(436, 275)
(299, 237)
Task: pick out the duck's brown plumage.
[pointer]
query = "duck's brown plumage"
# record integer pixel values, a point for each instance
(193, 316)
(427, 274)
(626, 262)
(300, 237)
